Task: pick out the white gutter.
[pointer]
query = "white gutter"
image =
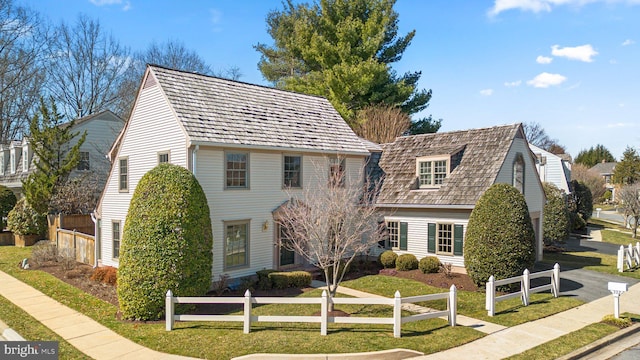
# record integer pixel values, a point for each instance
(280, 148)
(426, 206)
(193, 159)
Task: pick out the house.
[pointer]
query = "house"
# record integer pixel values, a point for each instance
(251, 148)
(606, 169)
(552, 168)
(16, 158)
(433, 181)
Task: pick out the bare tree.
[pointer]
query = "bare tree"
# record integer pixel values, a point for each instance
(79, 195)
(629, 196)
(592, 179)
(87, 68)
(537, 136)
(22, 48)
(329, 226)
(381, 123)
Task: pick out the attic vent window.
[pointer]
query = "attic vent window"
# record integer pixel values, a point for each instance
(431, 171)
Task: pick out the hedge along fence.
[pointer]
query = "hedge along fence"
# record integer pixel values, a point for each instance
(525, 287)
(628, 256)
(324, 319)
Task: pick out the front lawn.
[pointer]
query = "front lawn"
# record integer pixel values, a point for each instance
(590, 261)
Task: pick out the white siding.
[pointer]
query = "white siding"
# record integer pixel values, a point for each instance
(553, 169)
(152, 128)
(102, 131)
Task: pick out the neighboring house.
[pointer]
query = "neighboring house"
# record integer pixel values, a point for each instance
(552, 168)
(16, 158)
(251, 148)
(606, 169)
(433, 181)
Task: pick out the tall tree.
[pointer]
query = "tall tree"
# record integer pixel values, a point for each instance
(629, 196)
(22, 49)
(537, 136)
(54, 157)
(342, 50)
(595, 154)
(627, 171)
(591, 179)
(87, 67)
(381, 124)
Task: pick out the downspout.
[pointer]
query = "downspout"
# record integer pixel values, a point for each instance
(96, 237)
(193, 159)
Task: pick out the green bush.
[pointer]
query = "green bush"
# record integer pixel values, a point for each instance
(429, 264)
(388, 259)
(7, 202)
(577, 222)
(291, 279)
(556, 221)
(583, 199)
(500, 240)
(406, 262)
(24, 220)
(264, 282)
(166, 243)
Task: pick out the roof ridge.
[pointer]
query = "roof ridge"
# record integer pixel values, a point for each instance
(495, 127)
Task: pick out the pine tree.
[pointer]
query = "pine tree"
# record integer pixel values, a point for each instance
(54, 159)
(594, 155)
(627, 171)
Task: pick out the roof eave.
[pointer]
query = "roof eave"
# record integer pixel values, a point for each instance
(277, 148)
(427, 206)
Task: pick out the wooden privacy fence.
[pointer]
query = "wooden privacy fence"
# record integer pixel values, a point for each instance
(629, 257)
(525, 287)
(324, 319)
(74, 232)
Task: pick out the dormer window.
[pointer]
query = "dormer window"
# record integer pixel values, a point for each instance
(25, 160)
(431, 171)
(13, 162)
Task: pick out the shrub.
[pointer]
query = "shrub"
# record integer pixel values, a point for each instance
(106, 274)
(166, 243)
(406, 262)
(67, 258)
(292, 279)
(24, 220)
(500, 240)
(619, 322)
(44, 251)
(264, 282)
(556, 215)
(577, 222)
(583, 199)
(7, 202)
(429, 265)
(388, 259)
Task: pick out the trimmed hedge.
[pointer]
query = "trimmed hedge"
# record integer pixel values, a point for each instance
(556, 221)
(291, 279)
(429, 265)
(166, 243)
(388, 259)
(406, 262)
(7, 202)
(500, 240)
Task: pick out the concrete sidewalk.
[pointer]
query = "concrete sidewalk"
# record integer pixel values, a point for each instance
(87, 335)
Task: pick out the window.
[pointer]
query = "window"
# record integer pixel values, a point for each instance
(431, 172)
(115, 235)
(518, 173)
(397, 234)
(236, 170)
(25, 159)
(336, 172)
(13, 162)
(83, 164)
(163, 157)
(236, 245)
(292, 171)
(2, 164)
(124, 174)
(445, 239)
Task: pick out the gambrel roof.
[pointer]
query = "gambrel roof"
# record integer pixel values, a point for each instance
(215, 111)
(476, 158)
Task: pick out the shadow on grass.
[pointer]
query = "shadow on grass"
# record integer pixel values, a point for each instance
(570, 261)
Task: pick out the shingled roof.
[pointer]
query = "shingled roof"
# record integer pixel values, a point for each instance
(215, 111)
(477, 156)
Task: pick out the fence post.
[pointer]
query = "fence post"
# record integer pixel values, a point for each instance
(525, 284)
(637, 253)
(397, 314)
(620, 263)
(247, 312)
(453, 305)
(169, 310)
(556, 280)
(324, 313)
(491, 296)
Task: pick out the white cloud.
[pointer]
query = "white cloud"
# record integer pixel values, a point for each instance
(486, 92)
(537, 6)
(628, 42)
(216, 19)
(544, 80)
(620, 125)
(513, 83)
(544, 60)
(580, 53)
(126, 4)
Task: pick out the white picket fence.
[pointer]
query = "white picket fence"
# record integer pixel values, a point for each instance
(525, 287)
(629, 257)
(324, 319)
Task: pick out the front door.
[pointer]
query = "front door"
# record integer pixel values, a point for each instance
(287, 257)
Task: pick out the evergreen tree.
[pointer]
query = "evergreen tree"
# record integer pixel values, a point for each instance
(627, 171)
(54, 158)
(342, 50)
(594, 155)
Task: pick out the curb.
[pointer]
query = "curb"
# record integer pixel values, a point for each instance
(392, 354)
(11, 335)
(599, 344)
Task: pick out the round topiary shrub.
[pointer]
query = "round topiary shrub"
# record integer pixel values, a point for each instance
(429, 265)
(388, 259)
(24, 220)
(166, 243)
(500, 240)
(406, 262)
(7, 202)
(556, 221)
(583, 199)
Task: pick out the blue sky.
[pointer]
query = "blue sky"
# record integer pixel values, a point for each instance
(571, 65)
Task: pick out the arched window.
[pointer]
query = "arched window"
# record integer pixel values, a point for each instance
(518, 173)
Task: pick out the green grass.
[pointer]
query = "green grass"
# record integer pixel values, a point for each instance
(508, 313)
(30, 329)
(225, 340)
(590, 261)
(617, 237)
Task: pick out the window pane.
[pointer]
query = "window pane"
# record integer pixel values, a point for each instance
(292, 171)
(393, 227)
(445, 238)
(236, 170)
(163, 158)
(425, 173)
(83, 163)
(116, 239)
(124, 171)
(440, 171)
(236, 245)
